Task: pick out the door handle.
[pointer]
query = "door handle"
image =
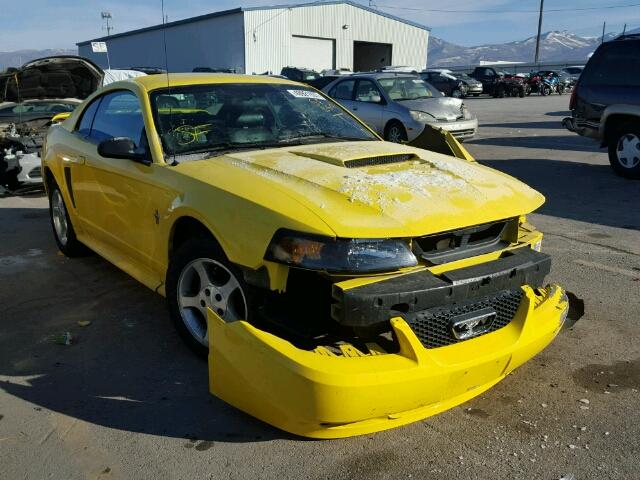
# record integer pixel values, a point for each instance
(355, 109)
(79, 159)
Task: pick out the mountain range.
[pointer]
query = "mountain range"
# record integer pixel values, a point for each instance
(555, 46)
(560, 46)
(17, 58)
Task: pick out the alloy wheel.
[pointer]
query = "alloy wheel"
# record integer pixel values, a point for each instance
(59, 216)
(628, 150)
(394, 134)
(205, 283)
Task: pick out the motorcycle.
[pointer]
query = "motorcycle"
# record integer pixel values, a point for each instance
(545, 83)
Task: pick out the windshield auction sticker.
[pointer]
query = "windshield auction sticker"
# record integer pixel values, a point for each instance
(306, 94)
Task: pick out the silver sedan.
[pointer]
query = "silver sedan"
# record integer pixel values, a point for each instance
(398, 105)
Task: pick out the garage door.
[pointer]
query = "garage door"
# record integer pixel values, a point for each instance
(315, 53)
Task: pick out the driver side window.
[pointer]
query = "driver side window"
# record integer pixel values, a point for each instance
(367, 92)
(119, 115)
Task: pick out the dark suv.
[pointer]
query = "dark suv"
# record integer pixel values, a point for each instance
(303, 75)
(605, 104)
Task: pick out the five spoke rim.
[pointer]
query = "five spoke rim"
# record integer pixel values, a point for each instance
(629, 150)
(394, 134)
(59, 216)
(205, 283)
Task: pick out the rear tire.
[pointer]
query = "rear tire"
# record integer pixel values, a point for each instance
(63, 230)
(624, 151)
(395, 132)
(199, 277)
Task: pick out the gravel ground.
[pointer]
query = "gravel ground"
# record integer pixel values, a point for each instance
(130, 401)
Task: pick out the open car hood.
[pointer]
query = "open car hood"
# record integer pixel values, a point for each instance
(64, 76)
(378, 189)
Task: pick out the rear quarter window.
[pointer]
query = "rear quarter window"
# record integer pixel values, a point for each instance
(616, 63)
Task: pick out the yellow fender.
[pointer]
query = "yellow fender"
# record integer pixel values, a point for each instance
(438, 140)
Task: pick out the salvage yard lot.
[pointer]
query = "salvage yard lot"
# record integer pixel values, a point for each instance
(130, 401)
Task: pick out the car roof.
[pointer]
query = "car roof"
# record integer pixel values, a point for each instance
(382, 75)
(153, 82)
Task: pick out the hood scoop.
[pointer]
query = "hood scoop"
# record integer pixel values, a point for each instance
(362, 161)
(380, 160)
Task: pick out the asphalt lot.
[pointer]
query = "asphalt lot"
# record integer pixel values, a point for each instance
(130, 401)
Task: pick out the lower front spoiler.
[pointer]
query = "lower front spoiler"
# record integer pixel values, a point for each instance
(319, 394)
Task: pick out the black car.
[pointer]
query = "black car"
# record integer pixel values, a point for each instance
(303, 75)
(446, 83)
(213, 70)
(322, 82)
(605, 103)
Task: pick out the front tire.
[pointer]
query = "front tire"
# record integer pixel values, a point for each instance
(624, 151)
(63, 230)
(200, 277)
(456, 93)
(395, 132)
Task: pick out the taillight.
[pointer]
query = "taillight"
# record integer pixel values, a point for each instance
(572, 100)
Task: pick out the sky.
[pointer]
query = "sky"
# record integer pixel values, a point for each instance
(40, 24)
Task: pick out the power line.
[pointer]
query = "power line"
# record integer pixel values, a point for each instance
(437, 10)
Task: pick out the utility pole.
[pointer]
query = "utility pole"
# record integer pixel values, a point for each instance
(539, 32)
(106, 16)
(604, 24)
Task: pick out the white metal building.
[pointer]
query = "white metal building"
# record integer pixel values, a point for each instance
(329, 34)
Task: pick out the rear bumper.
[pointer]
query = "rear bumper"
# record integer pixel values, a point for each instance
(320, 394)
(474, 89)
(582, 127)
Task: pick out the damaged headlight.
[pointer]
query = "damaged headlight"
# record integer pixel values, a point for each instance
(466, 114)
(419, 116)
(339, 255)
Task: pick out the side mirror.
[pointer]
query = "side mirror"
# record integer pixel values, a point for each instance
(123, 147)
(376, 99)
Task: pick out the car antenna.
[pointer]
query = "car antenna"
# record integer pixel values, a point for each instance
(166, 68)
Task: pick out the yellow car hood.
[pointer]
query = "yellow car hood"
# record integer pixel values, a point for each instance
(426, 193)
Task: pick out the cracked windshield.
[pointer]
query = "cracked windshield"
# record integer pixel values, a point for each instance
(216, 118)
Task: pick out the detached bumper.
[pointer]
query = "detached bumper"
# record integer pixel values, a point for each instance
(320, 394)
(31, 169)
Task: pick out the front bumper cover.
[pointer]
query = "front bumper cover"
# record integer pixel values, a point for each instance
(320, 394)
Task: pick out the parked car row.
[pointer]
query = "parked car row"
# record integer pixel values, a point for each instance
(399, 105)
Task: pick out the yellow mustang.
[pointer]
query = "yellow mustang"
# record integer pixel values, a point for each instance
(340, 284)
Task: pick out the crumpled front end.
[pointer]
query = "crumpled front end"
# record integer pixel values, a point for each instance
(328, 393)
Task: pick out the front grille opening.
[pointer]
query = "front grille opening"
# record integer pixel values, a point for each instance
(449, 246)
(303, 316)
(433, 327)
(379, 160)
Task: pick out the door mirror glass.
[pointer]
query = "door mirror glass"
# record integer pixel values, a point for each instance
(123, 147)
